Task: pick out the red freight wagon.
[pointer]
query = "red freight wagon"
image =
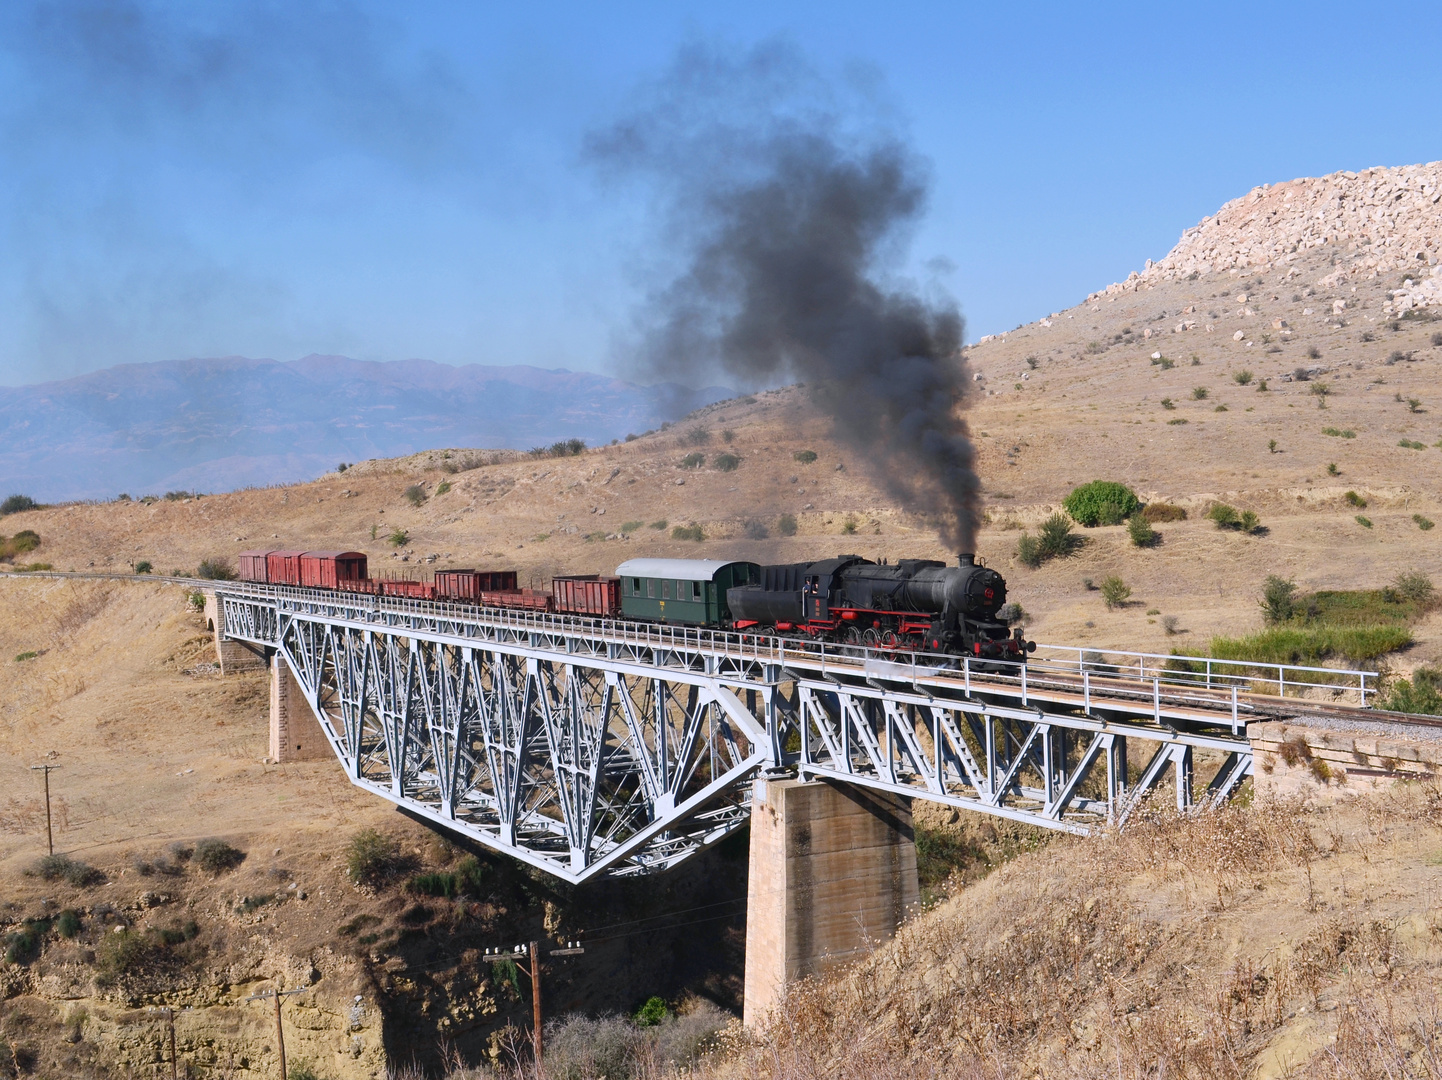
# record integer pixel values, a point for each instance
(588, 595)
(252, 566)
(411, 590)
(523, 599)
(469, 584)
(283, 567)
(359, 585)
(327, 569)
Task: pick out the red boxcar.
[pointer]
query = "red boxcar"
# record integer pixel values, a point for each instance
(589, 594)
(470, 584)
(283, 567)
(525, 598)
(411, 590)
(252, 566)
(327, 569)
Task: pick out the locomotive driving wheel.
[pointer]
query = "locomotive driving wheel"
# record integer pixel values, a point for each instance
(870, 638)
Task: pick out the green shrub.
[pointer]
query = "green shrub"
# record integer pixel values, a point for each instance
(1011, 613)
(728, 436)
(652, 1012)
(1199, 393)
(215, 569)
(1243, 377)
(143, 567)
(630, 526)
(1422, 523)
(849, 526)
(1101, 502)
(398, 538)
(660, 525)
(372, 858)
(1412, 444)
(1141, 532)
(1248, 522)
(757, 530)
(24, 540)
(1177, 421)
(17, 503)
(443, 487)
(1278, 599)
(697, 436)
(1355, 500)
(725, 462)
(73, 872)
(786, 524)
(23, 945)
(1365, 522)
(1168, 403)
(1028, 551)
(1156, 513)
(688, 532)
(1115, 592)
(467, 879)
(20, 658)
(415, 494)
(302, 1070)
(1225, 517)
(1055, 537)
(67, 924)
(1339, 433)
(693, 461)
(1332, 469)
(215, 856)
(806, 457)
(1421, 694)
(1415, 586)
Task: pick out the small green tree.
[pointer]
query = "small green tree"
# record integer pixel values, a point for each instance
(1278, 599)
(786, 524)
(1115, 592)
(1141, 532)
(806, 457)
(16, 503)
(1055, 537)
(1028, 551)
(215, 569)
(1225, 517)
(415, 494)
(143, 567)
(398, 538)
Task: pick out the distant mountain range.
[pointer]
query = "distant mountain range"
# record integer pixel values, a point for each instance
(219, 424)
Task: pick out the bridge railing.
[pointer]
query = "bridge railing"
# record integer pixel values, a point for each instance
(1204, 677)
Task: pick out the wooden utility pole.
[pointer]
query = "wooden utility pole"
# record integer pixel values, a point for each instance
(277, 994)
(49, 832)
(168, 1014)
(536, 1002)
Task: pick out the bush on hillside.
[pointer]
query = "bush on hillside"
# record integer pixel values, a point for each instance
(1141, 532)
(1278, 599)
(16, 503)
(725, 462)
(216, 856)
(786, 524)
(1053, 540)
(215, 569)
(1102, 502)
(61, 867)
(372, 858)
(1420, 694)
(1115, 592)
(1157, 513)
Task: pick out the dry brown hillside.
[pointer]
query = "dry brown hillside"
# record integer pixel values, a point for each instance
(1197, 381)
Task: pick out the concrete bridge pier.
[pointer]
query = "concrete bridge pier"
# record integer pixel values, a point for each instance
(832, 875)
(295, 733)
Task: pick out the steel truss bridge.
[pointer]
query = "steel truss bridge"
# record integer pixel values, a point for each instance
(593, 747)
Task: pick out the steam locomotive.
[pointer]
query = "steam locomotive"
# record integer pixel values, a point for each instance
(911, 604)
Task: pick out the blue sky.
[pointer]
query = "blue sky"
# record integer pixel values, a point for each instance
(391, 181)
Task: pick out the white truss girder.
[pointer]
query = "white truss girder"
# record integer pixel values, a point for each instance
(583, 753)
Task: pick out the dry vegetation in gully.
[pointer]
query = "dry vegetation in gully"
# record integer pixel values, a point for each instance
(1294, 384)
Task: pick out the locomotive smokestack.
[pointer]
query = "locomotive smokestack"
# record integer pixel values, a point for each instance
(966, 558)
(789, 213)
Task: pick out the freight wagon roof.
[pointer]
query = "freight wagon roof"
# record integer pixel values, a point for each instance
(680, 569)
(334, 554)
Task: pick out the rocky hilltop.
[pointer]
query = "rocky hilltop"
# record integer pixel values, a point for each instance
(1383, 220)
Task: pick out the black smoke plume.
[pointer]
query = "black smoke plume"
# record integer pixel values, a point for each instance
(784, 206)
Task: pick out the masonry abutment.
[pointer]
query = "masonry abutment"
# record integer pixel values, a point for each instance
(231, 655)
(295, 734)
(832, 875)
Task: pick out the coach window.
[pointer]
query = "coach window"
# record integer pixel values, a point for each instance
(651, 588)
(695, 590)
(666, 589)
(635, 586)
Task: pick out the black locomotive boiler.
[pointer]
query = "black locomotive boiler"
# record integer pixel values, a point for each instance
(912, 604)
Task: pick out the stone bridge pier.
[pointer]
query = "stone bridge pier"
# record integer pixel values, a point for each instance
(832, 875)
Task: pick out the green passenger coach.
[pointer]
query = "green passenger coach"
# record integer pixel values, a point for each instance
(682, 590)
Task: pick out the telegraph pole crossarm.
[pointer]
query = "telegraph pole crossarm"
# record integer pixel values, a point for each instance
(533, 951)
(277, 994)
(49, 832)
